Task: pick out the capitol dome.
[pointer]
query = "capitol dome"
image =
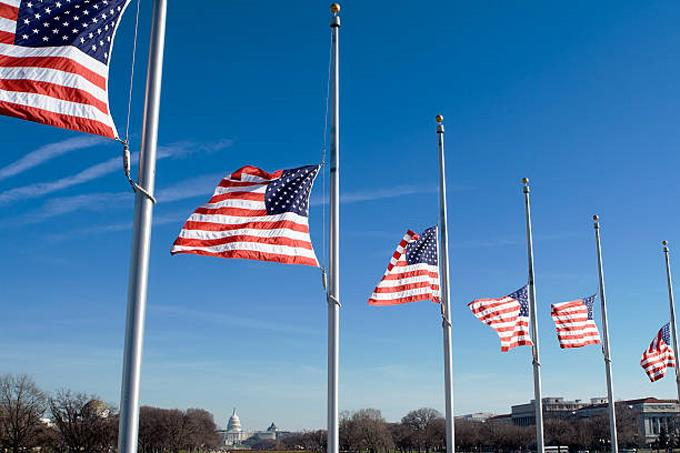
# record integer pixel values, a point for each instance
(234, 425)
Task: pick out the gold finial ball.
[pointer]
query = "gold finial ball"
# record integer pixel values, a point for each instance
(525, 180)
(664, 243)
(439, 118)
(335, 8)
(596, 218)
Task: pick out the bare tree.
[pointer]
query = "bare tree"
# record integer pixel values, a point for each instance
(366, 430)
(420, 424)
(202, 430)
(22, 404)
(315, 441)
(83, 422)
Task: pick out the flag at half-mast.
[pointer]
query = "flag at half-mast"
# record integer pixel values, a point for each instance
(575, 324)
(412, 274)
(508, 316)
(254, 215)
(659, 356)
(54, 62)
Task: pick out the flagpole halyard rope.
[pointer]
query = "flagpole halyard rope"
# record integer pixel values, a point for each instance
(445, 317)
(324, 150)
(126, 141)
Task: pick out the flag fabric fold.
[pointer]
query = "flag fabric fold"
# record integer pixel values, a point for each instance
(574, 323)
(508, 316)
(254, 215)
(54, 62)
(412, 274)
(659, 356)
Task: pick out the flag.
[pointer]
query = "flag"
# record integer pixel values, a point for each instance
(54, 61)
(574, 322)
(659, 355)
(254, 215)
(508, 316)
(412, 274)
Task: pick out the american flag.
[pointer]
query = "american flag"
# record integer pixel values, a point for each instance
(575, 325)
(254, 215)
(412, 274)
(508, 316)
(54, 61)
(659, 355)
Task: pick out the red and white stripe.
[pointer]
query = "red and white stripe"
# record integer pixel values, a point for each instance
(60, 86)
(235, 224)
(574, 329)
(403, 283)
(502, 315)
(657, 358)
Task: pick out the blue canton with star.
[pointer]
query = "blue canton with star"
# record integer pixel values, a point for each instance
(290, 193)
(424, 250)
(88, 25)
(522, 296)
(589, 302)
(666, 334)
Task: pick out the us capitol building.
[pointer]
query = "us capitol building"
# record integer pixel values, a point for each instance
(235, 437)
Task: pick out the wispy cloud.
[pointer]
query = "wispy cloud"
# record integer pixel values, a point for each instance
(116, 227)
(197, 186)
(176, 151)
(65, 205)
(48, 152)
(44, 188)
(231, 320)
(376, 194)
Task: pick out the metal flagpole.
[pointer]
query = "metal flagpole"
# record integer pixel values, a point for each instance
(671, 299)
(334, 246)
(141, 235)
(605, 342)
(538, 401)
(445, 291)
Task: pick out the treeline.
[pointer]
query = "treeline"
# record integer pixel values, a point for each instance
(67, 421)
(365, 430)
(424, 430)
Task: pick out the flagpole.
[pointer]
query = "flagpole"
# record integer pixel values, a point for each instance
(671, 299)
(538, 401)
(334, 243)
(141, 239)
(605, 342)
(445, 291)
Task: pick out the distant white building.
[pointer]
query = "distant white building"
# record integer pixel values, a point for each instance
(234, 436)
(476, 417)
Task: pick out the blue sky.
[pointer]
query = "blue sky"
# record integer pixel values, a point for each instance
(583, 98)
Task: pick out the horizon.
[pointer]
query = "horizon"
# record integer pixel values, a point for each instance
(582, 98)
